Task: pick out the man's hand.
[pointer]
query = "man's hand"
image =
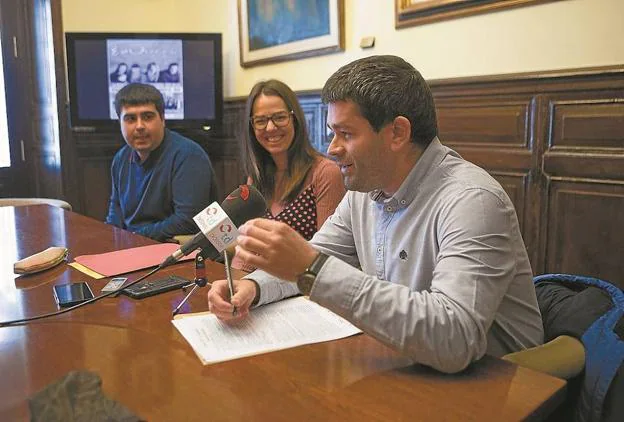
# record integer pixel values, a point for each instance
(218, 298)
(275, 248)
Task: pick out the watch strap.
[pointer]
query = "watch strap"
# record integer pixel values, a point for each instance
(306, 280)
(317, 264)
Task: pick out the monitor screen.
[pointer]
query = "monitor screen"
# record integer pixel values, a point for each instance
(186, 68)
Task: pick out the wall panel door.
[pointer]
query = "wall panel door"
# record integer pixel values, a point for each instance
(584, 161)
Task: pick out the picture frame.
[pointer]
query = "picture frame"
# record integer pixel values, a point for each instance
(420, 12)
(283, 30)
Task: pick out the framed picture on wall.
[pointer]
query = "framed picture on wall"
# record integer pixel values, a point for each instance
(419, 12)
(278, 30)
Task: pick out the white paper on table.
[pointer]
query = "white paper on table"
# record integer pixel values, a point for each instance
(280, 325)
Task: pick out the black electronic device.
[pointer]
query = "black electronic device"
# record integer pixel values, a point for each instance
(185, 67)
(67, 295)
(154, 287)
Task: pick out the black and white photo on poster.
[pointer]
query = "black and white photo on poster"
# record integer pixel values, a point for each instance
(154, 61)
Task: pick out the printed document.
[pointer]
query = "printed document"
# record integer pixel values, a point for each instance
(280, 325)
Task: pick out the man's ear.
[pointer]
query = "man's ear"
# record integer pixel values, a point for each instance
(401, 133)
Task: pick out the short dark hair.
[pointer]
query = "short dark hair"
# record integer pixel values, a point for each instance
(139, 94)
(257, 162)
(385, 87)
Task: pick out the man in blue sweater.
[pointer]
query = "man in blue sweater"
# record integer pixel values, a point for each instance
(160, 178)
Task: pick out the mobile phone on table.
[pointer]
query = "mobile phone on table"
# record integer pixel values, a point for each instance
(67, 295)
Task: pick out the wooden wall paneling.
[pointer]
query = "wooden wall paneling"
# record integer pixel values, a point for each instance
(94, 193)
(585, 227)
(316, 120)
(485, 122)
(579, 164)
(234, 120)
(585, 163)
(492, 133)
(312, 117)
(94, 155)
(497, 133)
(593, 119)
(537, 199)
(224, 152)
(231, 175)
(588, 123)
(587, 136)
(224, 156)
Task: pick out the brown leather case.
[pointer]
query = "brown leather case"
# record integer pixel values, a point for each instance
(40, 261)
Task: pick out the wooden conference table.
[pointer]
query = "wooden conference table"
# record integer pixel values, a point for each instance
(146, 365)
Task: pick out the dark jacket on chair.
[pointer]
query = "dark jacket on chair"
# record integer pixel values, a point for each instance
(590, 310)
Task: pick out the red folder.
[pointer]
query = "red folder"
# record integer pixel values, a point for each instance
(128, 260)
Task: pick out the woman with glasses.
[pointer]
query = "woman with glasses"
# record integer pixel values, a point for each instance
(302, 187)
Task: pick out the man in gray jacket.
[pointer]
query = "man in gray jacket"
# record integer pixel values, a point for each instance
(424, 252)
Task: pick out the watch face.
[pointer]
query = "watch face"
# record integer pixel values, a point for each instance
(306, 277)
(306, 280)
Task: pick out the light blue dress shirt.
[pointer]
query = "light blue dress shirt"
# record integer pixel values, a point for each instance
(438, 271)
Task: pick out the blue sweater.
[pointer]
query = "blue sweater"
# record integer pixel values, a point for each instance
(159, 197)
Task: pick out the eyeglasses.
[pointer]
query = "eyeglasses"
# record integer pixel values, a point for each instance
(279, 119)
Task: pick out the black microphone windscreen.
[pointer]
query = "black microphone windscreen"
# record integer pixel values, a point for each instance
(243, 204)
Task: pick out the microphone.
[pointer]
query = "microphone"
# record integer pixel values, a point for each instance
(245, 203)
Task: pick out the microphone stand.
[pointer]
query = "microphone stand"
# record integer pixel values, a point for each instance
(200, 280)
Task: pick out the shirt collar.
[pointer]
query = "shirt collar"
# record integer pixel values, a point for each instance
(428, 161)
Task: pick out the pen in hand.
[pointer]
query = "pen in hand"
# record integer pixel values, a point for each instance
(228, 275)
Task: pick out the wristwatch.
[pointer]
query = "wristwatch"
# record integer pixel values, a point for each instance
(306, 279)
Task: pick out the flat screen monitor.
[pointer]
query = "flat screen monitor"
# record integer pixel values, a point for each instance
(186, 68)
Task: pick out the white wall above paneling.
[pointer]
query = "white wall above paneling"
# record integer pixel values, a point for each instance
(560, 35)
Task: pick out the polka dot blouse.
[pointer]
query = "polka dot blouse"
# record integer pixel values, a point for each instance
(300, 214)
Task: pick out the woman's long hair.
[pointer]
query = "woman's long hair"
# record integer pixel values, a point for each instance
(259, 164)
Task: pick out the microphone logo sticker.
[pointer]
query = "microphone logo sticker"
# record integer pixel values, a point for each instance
(403, 255)
(209, 217)
(226, 236)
